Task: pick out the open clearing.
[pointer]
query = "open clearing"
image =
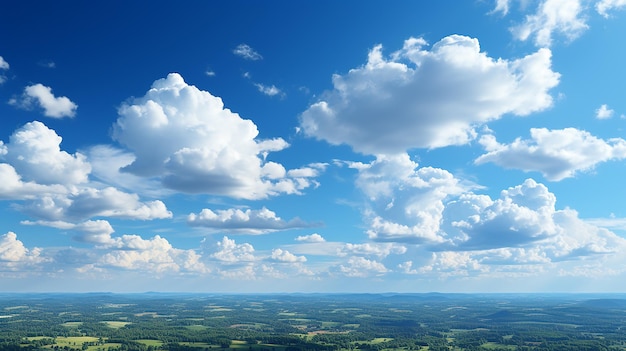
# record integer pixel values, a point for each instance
(150, 342)
(116, 324)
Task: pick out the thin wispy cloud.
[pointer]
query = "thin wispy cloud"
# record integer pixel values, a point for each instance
(246, 52)
(269, 90)
(4, 66)
(47, 64)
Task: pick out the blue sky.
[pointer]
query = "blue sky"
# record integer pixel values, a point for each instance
(232, 146)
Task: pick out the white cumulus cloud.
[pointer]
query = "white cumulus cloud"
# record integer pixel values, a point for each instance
(419, 210)
(41, 95)
(519, 234)
(557, 154)
(311, 238)
(362, 267)
(604, 112)
(34, 151)
(286, 256)
(228, 251)
(186, 137)
(55, 184)
(13, 250)
(14, 256)
(420, 98)
(525, 217)
(405, 202)
(156, 255)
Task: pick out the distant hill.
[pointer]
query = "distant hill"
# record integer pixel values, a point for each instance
(502, 315)
(604, 303)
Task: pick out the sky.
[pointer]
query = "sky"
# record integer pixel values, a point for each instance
(313, 146)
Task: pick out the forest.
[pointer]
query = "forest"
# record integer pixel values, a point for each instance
(311, 322)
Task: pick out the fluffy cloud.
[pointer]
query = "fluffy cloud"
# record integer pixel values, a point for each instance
(127, 252)
(14, 256)
(557, 154)
(421, 98)
(524, 217)
(186, 137)
(110, 202)
(90, 202)
(405, 202)
(604, 112)
(154, 255)
(228, 251)
(286, 256)
(13, 187)
(312, 238)
(34, 151)
(362, 267)
(41, 95)
(604, 6)
(573, 242)
(246, 52)
(553, 16)
(520, 234)
(56, 184)
(248, 221)
(421, 210)
(36, 166)
(13, 250)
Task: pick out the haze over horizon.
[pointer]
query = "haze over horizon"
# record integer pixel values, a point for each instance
(233, 146)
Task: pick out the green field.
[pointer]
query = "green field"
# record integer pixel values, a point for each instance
(74, 340)
(196, 327)
(496, 346)
(329, 325)
(105, 346)
(150, 342)
(116, 324)
(379, 340)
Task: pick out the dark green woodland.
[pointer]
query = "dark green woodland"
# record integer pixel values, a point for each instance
(311, 322)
